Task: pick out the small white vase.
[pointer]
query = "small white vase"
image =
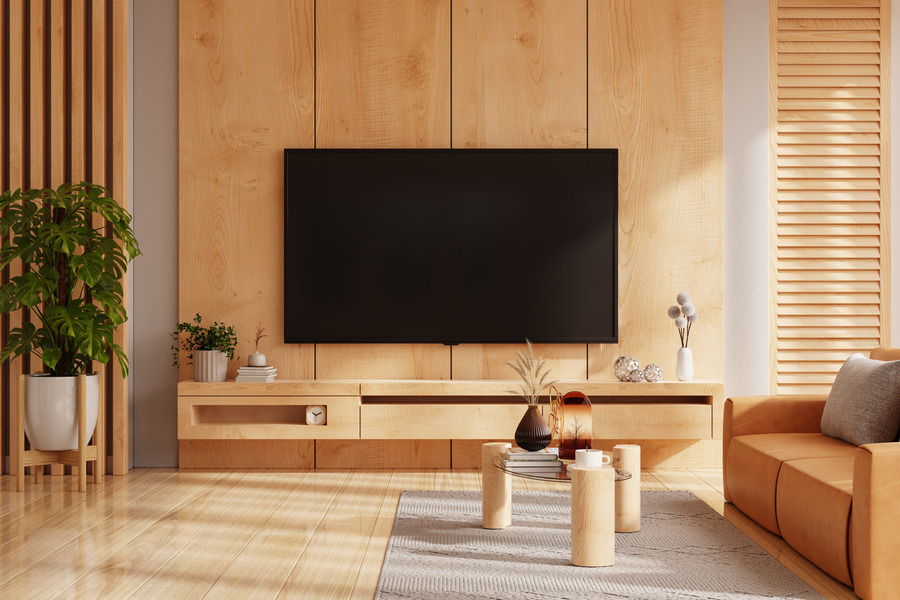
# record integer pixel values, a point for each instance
(257, 359)
(51, 411)
(684, 365)
(210, 365)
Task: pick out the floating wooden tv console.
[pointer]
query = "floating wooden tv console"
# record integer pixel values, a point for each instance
(436, 424)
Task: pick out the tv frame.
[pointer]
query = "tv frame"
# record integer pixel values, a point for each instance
(425, 340)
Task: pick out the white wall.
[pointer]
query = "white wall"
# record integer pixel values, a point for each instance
(155, 208)
(746, 197)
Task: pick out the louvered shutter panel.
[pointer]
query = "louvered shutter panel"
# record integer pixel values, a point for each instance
(830, 203)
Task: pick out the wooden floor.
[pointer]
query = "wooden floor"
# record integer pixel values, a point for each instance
(165, 533)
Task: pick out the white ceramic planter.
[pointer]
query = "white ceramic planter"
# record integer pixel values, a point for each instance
(256, 360)
(684, 365)
(210, 365)
(51, 411)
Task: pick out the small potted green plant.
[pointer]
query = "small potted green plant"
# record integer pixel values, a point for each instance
(71, 286)
(209, 348)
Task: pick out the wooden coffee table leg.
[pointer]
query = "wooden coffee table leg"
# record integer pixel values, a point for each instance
(593, 516)
(628, 493)
(496, 489)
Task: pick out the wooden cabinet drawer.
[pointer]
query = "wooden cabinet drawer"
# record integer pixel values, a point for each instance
(652, 421)
(440, 421)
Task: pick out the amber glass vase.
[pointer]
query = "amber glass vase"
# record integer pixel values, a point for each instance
(533, 433)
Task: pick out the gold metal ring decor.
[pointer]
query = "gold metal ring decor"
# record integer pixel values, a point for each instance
(627, 368)
(556, 419)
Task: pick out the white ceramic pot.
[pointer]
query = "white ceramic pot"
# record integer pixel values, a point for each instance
(210, 365)
(684, 365)
(257, 359)
(51, 411)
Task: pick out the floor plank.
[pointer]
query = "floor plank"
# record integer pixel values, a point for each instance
(164, 533)
(329, 567)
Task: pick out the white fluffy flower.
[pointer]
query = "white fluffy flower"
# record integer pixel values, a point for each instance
(688, 309)
(680, 322)
(674, 312)
(694, 317)
(682, 298)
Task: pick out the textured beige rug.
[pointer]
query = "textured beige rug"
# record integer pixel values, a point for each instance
(438, 550)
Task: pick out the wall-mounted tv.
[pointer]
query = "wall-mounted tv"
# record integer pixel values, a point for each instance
(450, 246)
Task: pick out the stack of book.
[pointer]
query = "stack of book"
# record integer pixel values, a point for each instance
(261, 374)
(541, 462)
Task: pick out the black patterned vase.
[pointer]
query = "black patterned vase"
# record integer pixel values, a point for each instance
(533, 433)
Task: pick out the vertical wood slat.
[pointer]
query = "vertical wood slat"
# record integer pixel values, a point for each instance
(119, 188)
(4, 184)
(17, 135)
(816, 110)
(65, 125)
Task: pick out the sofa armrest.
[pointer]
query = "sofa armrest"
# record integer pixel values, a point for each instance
(749, 415)
(875, 517)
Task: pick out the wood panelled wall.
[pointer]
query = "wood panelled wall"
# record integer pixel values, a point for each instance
(643, 76)
(63, 93)
(830, 136)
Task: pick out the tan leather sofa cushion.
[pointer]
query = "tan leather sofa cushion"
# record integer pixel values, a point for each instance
(813, 501)
(754, 462)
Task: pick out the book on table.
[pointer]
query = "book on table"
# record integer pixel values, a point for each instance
(535, 471)
(520, 455)
(528, 466)
(256, 374)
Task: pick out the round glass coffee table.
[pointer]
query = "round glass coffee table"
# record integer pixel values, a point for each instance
(594, 510)
(562, 477)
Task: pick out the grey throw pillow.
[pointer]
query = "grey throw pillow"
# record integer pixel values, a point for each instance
(864, 404)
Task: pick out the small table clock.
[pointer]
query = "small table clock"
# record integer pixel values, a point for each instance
(315, 415)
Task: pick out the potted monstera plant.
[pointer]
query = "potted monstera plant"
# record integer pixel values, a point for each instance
(74, 244)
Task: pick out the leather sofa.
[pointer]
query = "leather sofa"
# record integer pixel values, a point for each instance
(836, 504)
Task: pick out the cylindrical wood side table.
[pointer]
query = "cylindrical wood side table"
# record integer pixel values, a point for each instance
(496, 489)
(628, 492)
(593, 516)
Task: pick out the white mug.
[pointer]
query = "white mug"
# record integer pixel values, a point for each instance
(591, 458)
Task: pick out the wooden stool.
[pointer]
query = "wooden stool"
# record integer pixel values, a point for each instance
(593, 516)
(496, 489)
(77, 458)
(628, 493)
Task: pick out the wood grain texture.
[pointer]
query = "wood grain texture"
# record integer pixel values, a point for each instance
(655, 92)
(519, 74)
(488, 361)
(593, 516)
(496, 485)
(237, 113)
(246, 454)
(652, 421)
(467, 454)
(383, 74)
(439, 421)
(118, 178)
(383, 454)
(382, 361)
(671, 454)
(70, 535)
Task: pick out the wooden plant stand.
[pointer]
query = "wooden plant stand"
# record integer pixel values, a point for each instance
(77, 458)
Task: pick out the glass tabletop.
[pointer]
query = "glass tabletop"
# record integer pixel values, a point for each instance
(562, 477)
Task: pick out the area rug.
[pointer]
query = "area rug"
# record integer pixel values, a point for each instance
(684, 549)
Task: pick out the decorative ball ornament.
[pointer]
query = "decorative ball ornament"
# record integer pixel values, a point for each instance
(636, 376)
(624, 366)
(652, 373)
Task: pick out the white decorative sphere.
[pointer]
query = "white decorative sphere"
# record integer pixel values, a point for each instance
(636, 376)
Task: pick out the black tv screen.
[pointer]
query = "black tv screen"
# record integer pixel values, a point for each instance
(450, 246)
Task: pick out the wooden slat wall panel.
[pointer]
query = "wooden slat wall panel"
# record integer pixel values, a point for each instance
(382, 81)
(519, 82)
(64, 125)
(655, 92)
(830, 187)
(246, 88)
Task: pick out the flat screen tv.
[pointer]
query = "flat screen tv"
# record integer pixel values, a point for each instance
(450, 246)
